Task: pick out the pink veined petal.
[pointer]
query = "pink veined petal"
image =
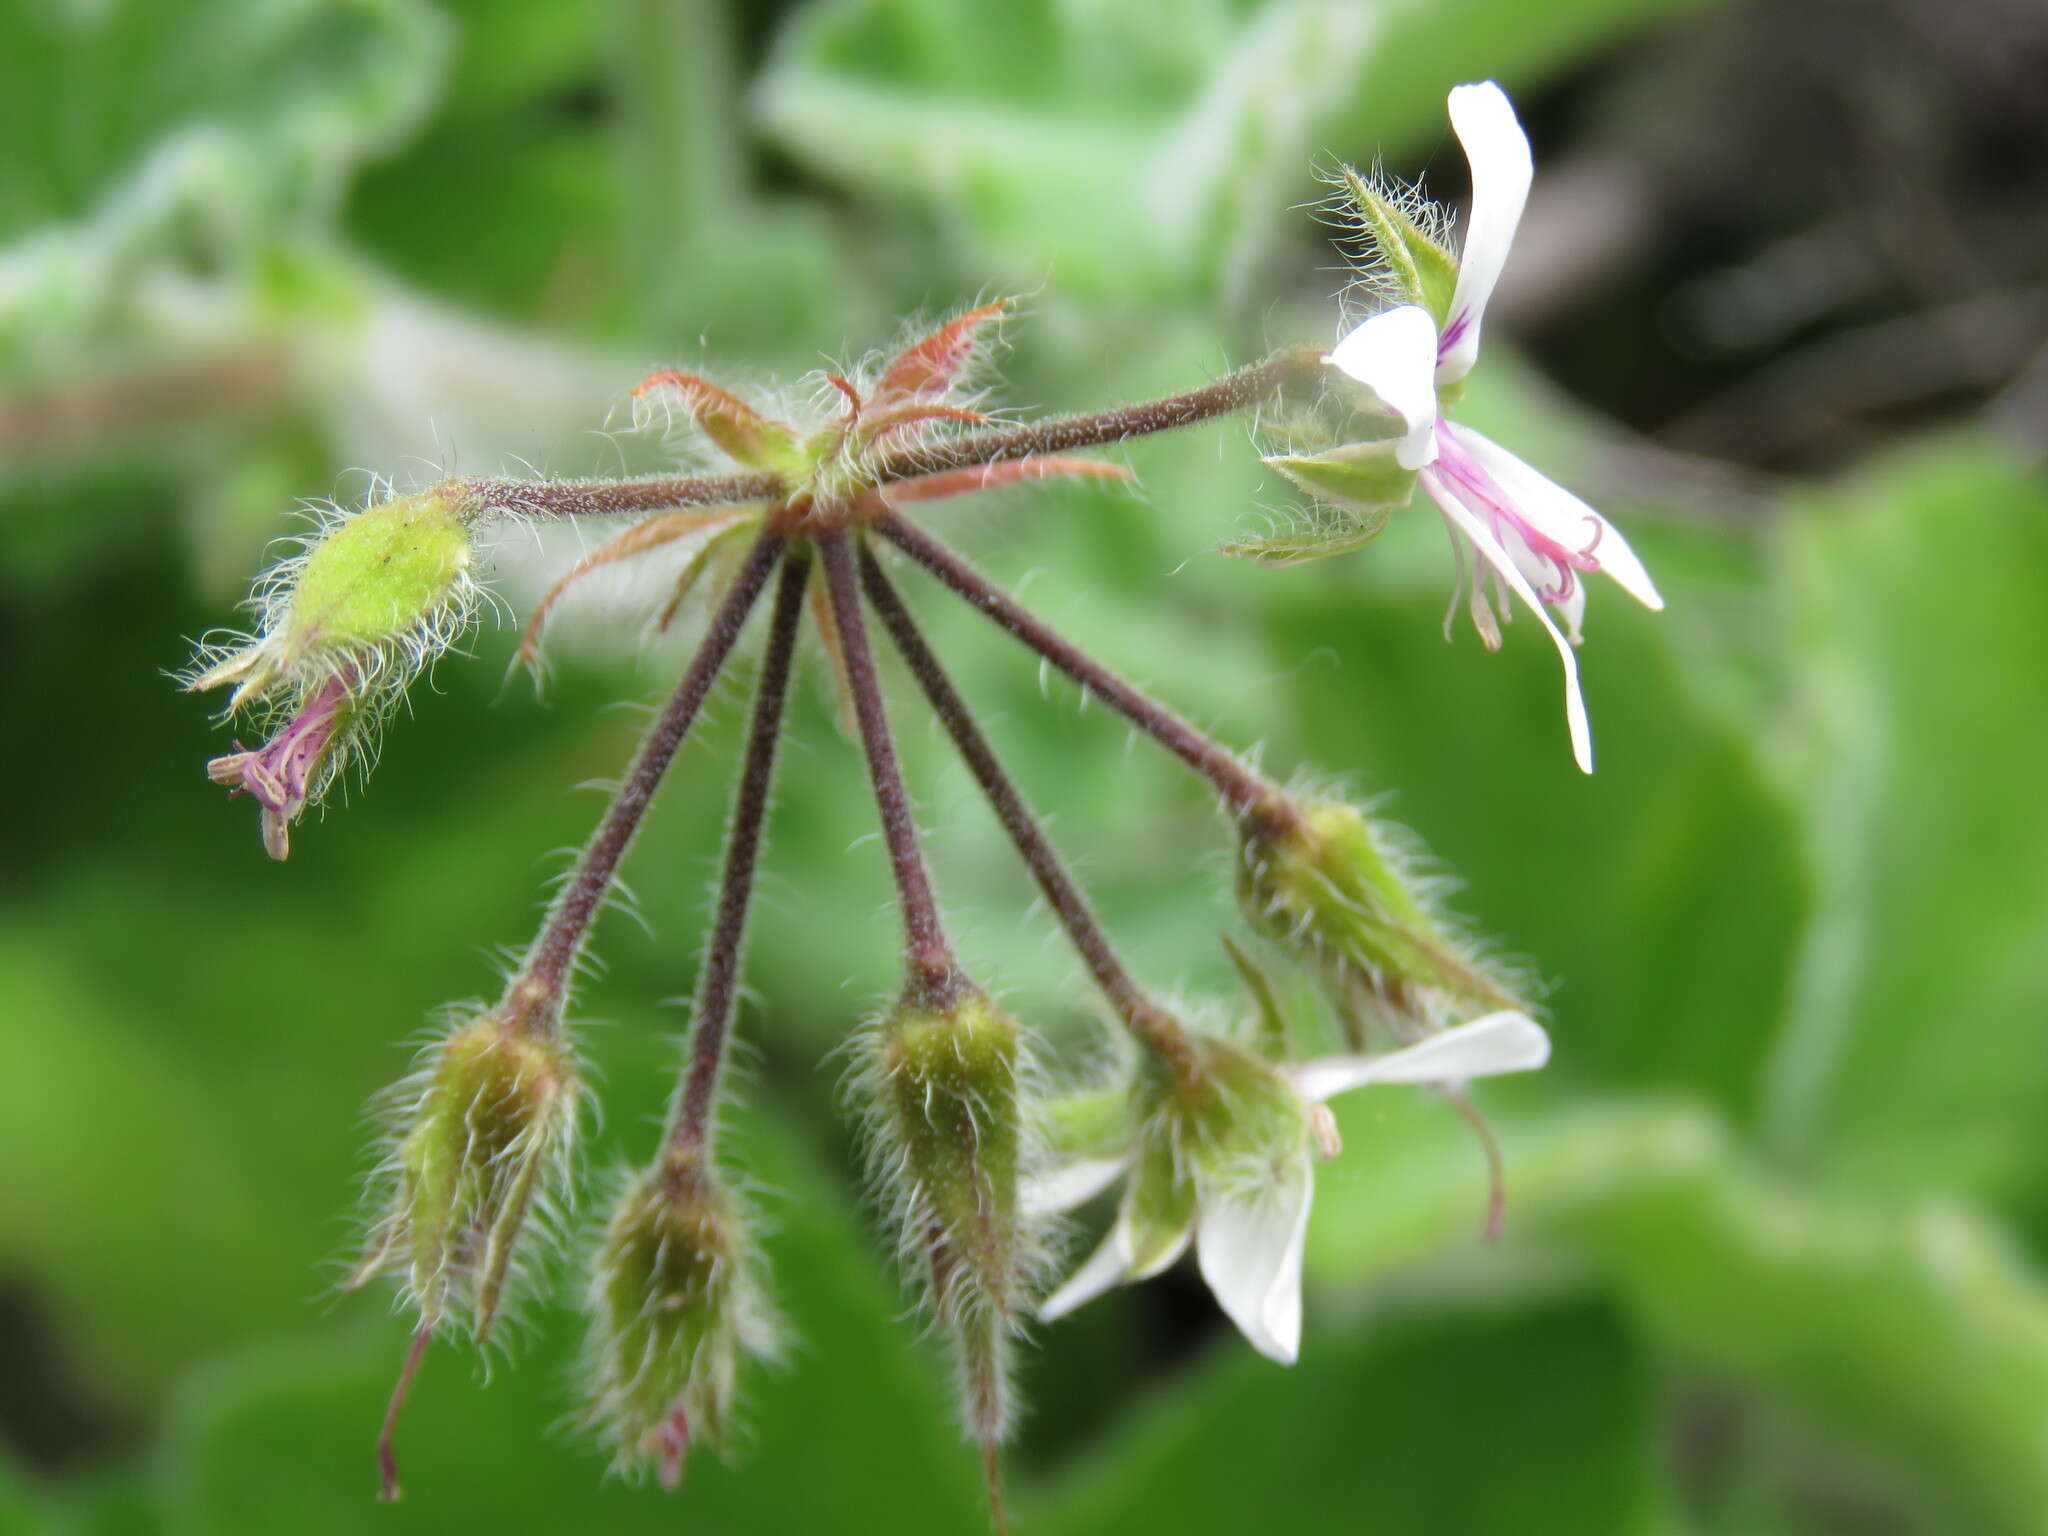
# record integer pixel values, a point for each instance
(1507, 1041)
(1249, 1247)
(1483, 540)
(1558, 514)
(1498, 152)
(1070, 1184)
(1105, 1267)
(1394, 355)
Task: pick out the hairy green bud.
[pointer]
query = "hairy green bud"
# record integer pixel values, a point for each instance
(947, 1126)
(1325, 881)
(487, 1132)
(374, 596)
(676, 1303)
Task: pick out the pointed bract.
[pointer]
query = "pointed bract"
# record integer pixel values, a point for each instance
(933, 364)
(743, 434)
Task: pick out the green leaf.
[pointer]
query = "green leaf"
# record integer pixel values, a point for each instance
(1912, 1055)
(137, 1215)
(180, 141)
(1911, 1332)
(1140, 148)
(1918, 1331)
(1534, 1424)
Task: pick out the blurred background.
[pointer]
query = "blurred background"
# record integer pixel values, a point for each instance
(1779, 1210)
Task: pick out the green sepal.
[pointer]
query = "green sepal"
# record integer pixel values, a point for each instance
(378, 574)
(1425, 272)
(1364, 479)
(1089, 1123)
(1159, 1206)
(1356, 489)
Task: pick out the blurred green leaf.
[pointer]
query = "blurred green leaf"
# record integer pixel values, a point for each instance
(94, 1105)
(1139, 148)
(1915, 1332)
(1409, 1189)
(154, 150)
(1919, 1331)
(1913, 1055)
(1533, 1424)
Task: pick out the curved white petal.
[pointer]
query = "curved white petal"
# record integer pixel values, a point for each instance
(1498, 1042)
(1498, 152)
(1394, 355)
(1249, 1247)
(1557, 514)
(1070, 1184)
(1107, 1265)
(1483, 540)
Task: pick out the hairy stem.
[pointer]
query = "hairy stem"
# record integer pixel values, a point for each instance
(1250, 796)
(1233, 392)
(719, 985)
(553, 500)
(553, 956)
(931, 960)
(1151, 1023)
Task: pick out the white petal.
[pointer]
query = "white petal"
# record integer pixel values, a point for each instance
(1556, 513)
(1394, 355)
(1483, 540)
(1499, 1042)
(1107, 1265)
(1070, 1184)
(1498, 152)
(1250, 1246)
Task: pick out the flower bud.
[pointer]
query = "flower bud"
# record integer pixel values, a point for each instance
(484, 1148)
(375, 595)
(942, 1087)
(676, 1301)
(1320, 878)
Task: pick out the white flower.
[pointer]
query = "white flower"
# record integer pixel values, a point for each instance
(1538, 537)
(1231, 1172)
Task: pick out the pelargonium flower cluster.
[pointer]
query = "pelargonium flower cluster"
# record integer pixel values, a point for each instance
(1211, 1133)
